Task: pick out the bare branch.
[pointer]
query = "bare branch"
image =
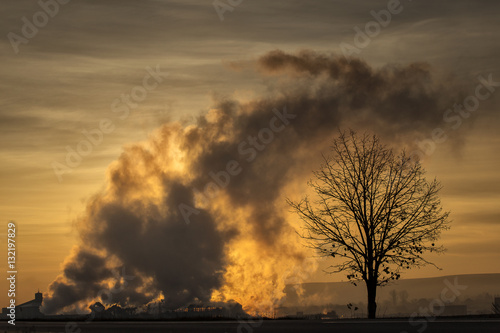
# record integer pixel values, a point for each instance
(374, 212)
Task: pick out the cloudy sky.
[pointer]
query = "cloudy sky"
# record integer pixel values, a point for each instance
(71, 72)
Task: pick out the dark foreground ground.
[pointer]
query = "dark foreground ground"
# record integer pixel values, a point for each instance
(268, 326)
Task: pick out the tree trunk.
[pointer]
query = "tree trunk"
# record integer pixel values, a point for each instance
(371, 288)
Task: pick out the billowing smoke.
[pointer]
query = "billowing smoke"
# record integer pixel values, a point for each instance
(197, 212)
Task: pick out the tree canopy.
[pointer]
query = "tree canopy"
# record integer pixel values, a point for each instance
(373, 212)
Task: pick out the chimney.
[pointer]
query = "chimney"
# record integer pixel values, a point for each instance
(39, 297)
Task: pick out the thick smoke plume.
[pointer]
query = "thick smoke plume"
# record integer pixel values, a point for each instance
(197, 212)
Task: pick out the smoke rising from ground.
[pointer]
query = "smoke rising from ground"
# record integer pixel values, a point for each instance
(240, 242)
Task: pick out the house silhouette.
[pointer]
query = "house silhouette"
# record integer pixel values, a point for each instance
(28, 310)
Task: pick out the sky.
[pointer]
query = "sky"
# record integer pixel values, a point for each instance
(192, 63)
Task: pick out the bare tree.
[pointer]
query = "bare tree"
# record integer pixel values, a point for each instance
(374, 212)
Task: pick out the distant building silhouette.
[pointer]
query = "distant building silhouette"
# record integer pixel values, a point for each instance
(99, 311)
(158, 311)
(28, 310)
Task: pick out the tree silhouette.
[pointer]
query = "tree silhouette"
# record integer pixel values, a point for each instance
(496, 308)
(374, 212)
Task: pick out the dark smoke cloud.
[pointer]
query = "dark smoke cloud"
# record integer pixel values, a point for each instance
(402, 98)
(149, 240)
(136, 220)
(86, 271)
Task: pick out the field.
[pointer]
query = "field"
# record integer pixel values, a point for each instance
(269, 326)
